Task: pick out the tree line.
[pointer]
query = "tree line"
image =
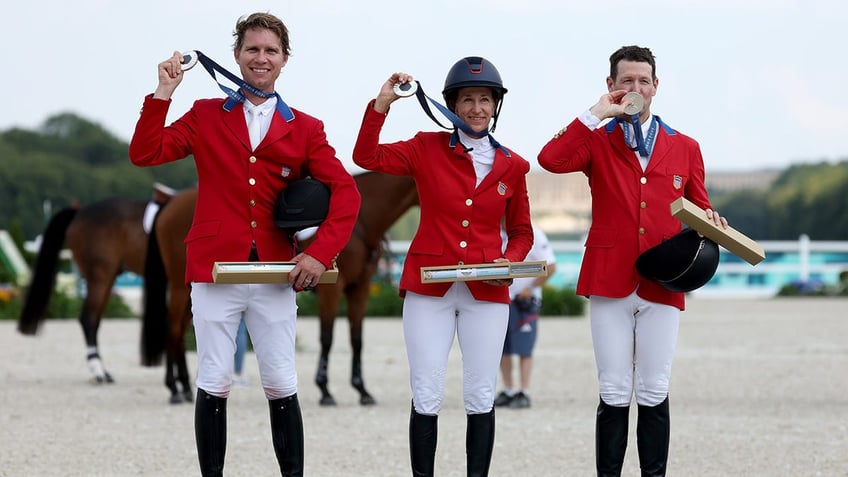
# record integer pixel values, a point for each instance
(809, 199)
(72, 160)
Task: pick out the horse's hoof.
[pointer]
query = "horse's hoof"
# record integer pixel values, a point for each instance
(101, 380)
(327, 401)
(367, 400)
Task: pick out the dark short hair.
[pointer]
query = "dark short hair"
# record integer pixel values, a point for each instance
(264, 21)
(632, 53)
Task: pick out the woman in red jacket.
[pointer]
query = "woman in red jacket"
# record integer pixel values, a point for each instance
(634, 175)
(466, 183)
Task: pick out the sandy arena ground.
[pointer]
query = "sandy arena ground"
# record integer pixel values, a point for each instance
(759, 388)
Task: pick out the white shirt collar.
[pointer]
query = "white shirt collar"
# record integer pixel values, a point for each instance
(482, 144)
(263, 108)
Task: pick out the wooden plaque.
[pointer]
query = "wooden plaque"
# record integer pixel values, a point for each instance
(731, 239)
(262, 272)
(483, 271)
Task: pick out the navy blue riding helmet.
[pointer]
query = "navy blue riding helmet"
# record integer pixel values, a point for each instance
(303, 203)
(682, 263)
(474, 71)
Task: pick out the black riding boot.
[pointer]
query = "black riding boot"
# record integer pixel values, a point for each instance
(653, 428)
(210, 432)
(287, 434)
(423, 433)
(479, 440)
(610, 439)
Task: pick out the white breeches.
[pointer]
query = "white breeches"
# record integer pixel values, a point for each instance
(429, 326)
(634, 341)
(270, 314)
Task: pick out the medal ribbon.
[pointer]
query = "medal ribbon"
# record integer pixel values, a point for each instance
(236, 97)
(453, 118)
(643, 145)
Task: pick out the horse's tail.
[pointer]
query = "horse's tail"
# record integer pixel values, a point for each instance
(154, 329)
(44, 276)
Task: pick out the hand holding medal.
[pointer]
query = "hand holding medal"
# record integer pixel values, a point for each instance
(189, 60)
(405, 89)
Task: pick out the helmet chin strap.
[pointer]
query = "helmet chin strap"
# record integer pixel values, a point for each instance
(495, 116)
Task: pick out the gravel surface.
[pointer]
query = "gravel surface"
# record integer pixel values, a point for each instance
(759, 388)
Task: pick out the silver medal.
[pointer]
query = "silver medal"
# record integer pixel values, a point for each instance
(405, 89)
(636, 103)
(189, 60)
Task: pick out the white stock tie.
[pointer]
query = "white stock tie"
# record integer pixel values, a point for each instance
(254, 127)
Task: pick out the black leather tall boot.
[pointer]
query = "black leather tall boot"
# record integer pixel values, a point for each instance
(653, 429)
(287, 434)
(210, 433)
(479, 441)
(611, 426)
(423, 434)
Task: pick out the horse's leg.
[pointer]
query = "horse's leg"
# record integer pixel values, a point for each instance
(96, 298)
(179, 327)
(170, 379)
(170, 369)
(184, 378)
(170, 376)
(328, 303)
(177, 370)
(321, 376)
(357, 301)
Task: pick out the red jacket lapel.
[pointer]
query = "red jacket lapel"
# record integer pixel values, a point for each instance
(279, 129)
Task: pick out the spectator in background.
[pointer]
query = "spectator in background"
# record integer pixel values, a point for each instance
(241, 349)
(525, 303)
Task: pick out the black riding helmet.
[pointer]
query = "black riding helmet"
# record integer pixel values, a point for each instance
(303, 203)
(682, 263)
(474, 71)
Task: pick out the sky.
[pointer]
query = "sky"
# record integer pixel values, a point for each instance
(756, 82)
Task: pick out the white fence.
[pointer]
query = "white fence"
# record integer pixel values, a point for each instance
(787, 261)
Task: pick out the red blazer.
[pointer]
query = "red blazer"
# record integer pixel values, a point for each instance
(630, 208)
(460, 224)
(237, 187)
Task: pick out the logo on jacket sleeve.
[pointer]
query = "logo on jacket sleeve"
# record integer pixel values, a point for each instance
(285, 172)
(501, 188)
(678, 182)
(560, 132)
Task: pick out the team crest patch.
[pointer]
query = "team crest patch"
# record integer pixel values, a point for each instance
(285, 172)
(678, 182)
(501, 188)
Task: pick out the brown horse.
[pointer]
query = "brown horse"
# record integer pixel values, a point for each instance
(106, 238)
(168, 303)
(384, 199)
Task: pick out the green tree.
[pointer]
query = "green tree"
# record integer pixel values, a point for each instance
(71, 160)
(807, 199)
(744, 210)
